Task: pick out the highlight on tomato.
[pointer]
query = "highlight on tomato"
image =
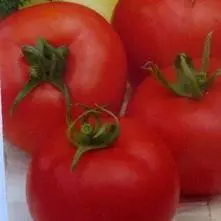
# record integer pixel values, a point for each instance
(53, 56)
(107, 169)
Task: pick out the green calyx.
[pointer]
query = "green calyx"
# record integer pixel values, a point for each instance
(88, 132)
(190, 83)
(46, 65)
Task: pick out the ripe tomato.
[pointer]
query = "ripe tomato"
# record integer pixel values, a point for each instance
(94, 70)
(189, 124)
(156, 30)
(134, 178)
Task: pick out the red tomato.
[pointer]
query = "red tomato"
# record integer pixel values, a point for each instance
(133, 179)
(190, 127)
(94, 71)
(156, 30)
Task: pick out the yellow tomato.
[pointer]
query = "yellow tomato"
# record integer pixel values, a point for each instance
(103, 7)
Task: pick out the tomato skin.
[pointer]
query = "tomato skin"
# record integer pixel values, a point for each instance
(95, 73)
(135, 179)
(191, 129)
(156, 30)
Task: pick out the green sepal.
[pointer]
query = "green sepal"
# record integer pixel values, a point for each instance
(190, 83)
(92, 137)
(47, 64)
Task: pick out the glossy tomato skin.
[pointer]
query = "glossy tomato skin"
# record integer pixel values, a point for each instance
(190, 128)
(95, 72)
(156, 30)
(135, 179)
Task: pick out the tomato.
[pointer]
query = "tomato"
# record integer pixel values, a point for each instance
(189, 124)
(133, 178)
(82, 52)
(156, 30)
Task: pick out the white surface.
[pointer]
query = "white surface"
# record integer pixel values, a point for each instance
(16, 167)
(3, 204)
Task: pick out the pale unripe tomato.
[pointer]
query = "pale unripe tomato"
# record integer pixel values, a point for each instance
(103, 7)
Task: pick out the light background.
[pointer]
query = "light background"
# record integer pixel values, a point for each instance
(3, 204)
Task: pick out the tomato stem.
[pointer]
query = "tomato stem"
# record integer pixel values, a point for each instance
(94, 136)
(190, 82)
(46, 65)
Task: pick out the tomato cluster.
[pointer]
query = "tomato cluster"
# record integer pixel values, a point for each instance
(63, 72)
